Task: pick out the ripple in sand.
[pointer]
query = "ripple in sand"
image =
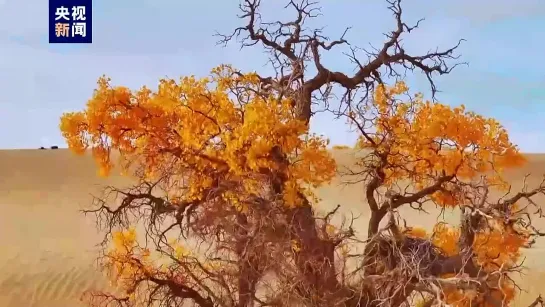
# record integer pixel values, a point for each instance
(49, 281)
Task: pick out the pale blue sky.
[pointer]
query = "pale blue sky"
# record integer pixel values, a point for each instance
(137, 42)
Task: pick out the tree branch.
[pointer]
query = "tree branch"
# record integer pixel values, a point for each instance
(294, 47)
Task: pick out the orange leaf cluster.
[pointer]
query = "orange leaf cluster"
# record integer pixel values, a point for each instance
(425, 140)
(127, 262)
(494, 249)
(206, 129)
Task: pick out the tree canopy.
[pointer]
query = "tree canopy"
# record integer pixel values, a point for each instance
(223, 212)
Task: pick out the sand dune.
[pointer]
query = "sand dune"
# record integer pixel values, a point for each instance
(48, 246)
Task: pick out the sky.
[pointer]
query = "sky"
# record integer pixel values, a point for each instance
(137, 42)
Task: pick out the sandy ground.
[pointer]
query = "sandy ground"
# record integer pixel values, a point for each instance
(47, 245)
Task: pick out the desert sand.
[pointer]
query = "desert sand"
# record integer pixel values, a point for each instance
(48, 247)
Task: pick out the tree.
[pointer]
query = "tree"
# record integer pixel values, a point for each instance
(226, 171)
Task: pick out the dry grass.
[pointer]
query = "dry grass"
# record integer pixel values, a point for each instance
(47, 245)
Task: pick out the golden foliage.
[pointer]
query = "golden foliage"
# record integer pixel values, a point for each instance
(499, 247)
(429, 139)
(212, 134)
(126, 262)
(421, 142)
(446, 238)
(495, 249)
(502, 294)
(220, 130)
